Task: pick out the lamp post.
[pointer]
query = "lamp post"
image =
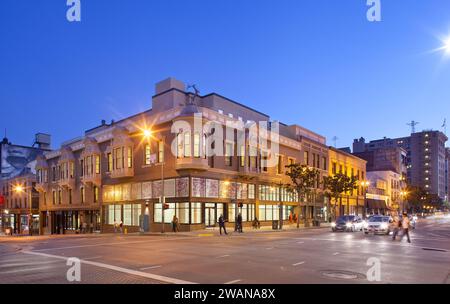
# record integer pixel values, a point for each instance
(147, 135)
(403, 195)
(365, 185)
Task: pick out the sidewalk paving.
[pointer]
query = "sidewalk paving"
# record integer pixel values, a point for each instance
(200, 233)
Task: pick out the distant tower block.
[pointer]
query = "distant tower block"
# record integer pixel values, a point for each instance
(413, 125)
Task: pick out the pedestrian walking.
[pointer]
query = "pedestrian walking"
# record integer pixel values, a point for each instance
(84, 227)
(405, 226)
(115, 226)
(290, 217)
(239, 221)
(222, 225)
(397, 226)
(121, 227)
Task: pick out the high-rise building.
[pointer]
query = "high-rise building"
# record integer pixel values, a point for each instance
(425, 158)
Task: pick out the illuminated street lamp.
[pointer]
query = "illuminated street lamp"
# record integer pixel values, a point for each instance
(404, 195)
(365, 185)
(147, 135)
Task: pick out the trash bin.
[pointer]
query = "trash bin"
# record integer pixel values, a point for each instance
(275, 225)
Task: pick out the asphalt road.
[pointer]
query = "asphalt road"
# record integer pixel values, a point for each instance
(267, 257)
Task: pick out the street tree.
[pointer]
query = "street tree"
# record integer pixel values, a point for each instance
(304, 182)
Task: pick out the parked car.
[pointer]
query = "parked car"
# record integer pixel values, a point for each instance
(378, 224)
(348, 223)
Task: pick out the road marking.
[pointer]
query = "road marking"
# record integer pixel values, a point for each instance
(24, 270)
(269, 248)
(300, 242)
(111, 244)
(369, 242)
(223, 256)
(299, 263)
(151, 267)
(93, 258)
(206, 235)
(232, 282)
(336, 253)
(26, 264)
(116, 268)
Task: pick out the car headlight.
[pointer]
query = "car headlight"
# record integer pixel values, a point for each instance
(384, 226)
(333, 224)
(348, 225)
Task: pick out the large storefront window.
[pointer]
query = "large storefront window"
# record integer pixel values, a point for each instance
(129, 217)
(196, 213)
(181, 210)
(269, 212)
(247, 212)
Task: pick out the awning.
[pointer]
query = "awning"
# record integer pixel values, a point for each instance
(376, 204)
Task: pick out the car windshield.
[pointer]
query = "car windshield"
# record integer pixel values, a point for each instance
(347, 218)
(378, 219)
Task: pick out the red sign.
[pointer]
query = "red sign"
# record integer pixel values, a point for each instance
(2, 200)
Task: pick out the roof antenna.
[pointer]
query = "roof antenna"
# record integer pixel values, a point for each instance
(413, 125)
(335, 139)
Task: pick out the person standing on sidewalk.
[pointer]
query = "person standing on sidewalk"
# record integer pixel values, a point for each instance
(405, 226)
(174, 224)
(222, 225)
(239, 222)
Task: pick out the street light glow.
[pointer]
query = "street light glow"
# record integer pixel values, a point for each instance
(18, 189)
(447, 46)
(147, 133)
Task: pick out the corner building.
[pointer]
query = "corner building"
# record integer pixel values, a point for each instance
(118, 171)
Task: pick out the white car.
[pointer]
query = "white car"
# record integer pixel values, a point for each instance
(378, 224)
(347, 223)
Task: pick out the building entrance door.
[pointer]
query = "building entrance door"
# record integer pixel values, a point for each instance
(210, 216)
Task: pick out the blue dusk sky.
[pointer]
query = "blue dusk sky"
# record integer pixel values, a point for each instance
(317, 63)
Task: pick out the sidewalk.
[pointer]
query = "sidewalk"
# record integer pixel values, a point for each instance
(200, 233)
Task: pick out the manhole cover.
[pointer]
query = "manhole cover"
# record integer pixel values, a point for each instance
(342, 275)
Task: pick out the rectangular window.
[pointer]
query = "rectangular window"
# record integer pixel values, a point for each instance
(280, 164)
(161, 151)
(264, 161)
(306, 157)
(187, 144)
(110, 162)
(180, 145)
(59, 197)
(70, 196)
(228, 154)
(334, 168)
(53, 197)
(72, 169)
(253, 154)
(196, 213)
(117, 158)
(95, 194)
(130, 157)
(82, 194)
(97, 164)
(196, 145)
(324, 161)
(127, 215)
(137, 211)
(147, 154)
(251, 191)
(242, 156)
